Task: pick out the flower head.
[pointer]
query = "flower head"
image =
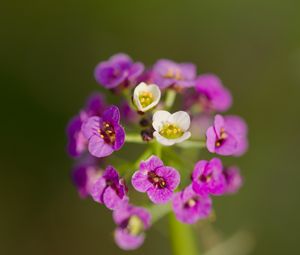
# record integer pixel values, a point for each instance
(118, 70)
(167, 73)
(190, 207)
(208, 177)
(77, 143)
(109, 189)
(171, 128)
(131, 223)
(157, 180)
(84, 176)
(212, 95)
(227, 136)
(145, 97)
(233, 178)
(104, 134)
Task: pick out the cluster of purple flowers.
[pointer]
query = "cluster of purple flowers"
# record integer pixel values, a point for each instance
(96, 133)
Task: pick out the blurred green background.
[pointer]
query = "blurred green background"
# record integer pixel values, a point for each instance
(48, 52)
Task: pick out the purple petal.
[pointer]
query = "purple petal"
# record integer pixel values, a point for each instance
(151, 163)
(126, 241)
(91, 126)
(98, 148)
(98, 189)
(170, 175)
(211, 139)
(159, 196)
(140, 181)
(112, 115)
(111, 198)
(120, 137)
(135, 71)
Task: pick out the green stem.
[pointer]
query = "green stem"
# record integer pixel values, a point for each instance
(192, 144)
(170, 99)
(182, 238)
(134, 138)
(157, 149)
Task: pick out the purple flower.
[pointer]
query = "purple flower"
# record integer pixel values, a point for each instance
(233, 179)
(167, 73)
(127, 113)
(190, 207)
(109, 189)
(77, 143)
(118, 70)
(157, 180)
(85, 175)
(208, 177)
(131, 223)
(104, 134)
(212, 95)
(227, 136)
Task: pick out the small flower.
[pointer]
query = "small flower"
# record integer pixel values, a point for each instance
(208, 178)
(167, 73)
(227, 136)
(77, 143)
(109, 189)
(104, 134)
(171, 128)
(157, 180)
(190, 207)
(233, 178)
(118, 70)
(145, 97)
(212, 95)
(85, 175)
(131, 223)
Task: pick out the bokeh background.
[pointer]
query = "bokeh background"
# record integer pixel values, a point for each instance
(48, 52)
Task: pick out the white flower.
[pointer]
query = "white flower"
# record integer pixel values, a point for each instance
(171, 128)
(145, 97)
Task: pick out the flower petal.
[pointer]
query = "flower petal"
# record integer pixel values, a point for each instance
(181, 119)
(170, 175)
(140, 181)
(126, 241)
(159, 196)
(98, 148)
(91, 126)
(159, 118)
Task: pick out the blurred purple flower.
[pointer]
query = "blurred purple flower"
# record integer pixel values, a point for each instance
(208, 178)
(127, 113)
(167, 73)
(77, 143)
(84, 176)
(131, 223)
(233, 178)
(190, 207)
(118, 70)
(212, 95)
(157, 180)
(227, 136)
(109, 189)
(104, 134)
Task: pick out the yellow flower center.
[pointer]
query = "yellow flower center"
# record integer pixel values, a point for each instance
(107, 133)
(146, 98)
(223, 136)
(173, 73)
(135, 225)
(171, 131)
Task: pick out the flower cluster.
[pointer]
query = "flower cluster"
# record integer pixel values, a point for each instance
(144, 112)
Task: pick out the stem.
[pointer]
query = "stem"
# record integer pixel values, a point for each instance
(182, 238)
(157, 149)
(170, 99)
(134, 138)
(192, 144)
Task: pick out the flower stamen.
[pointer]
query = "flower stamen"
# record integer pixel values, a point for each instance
(171, 131)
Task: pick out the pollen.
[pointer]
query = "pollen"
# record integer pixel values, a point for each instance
(107, 133)
(173, 73)
(146, 98)
(171, 131)
(135, 225)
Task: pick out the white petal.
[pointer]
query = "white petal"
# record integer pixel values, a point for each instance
(143, 87)
(163, 140)
(181, 119)
(159, 118)
(184, 137)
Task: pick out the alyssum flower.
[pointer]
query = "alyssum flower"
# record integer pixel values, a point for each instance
(171, 128)
(104, 134)
(132, 222)
(146, 97)
(189, 207)
(109, 189)
(118, 70)
(157, 180)
(227, 136)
